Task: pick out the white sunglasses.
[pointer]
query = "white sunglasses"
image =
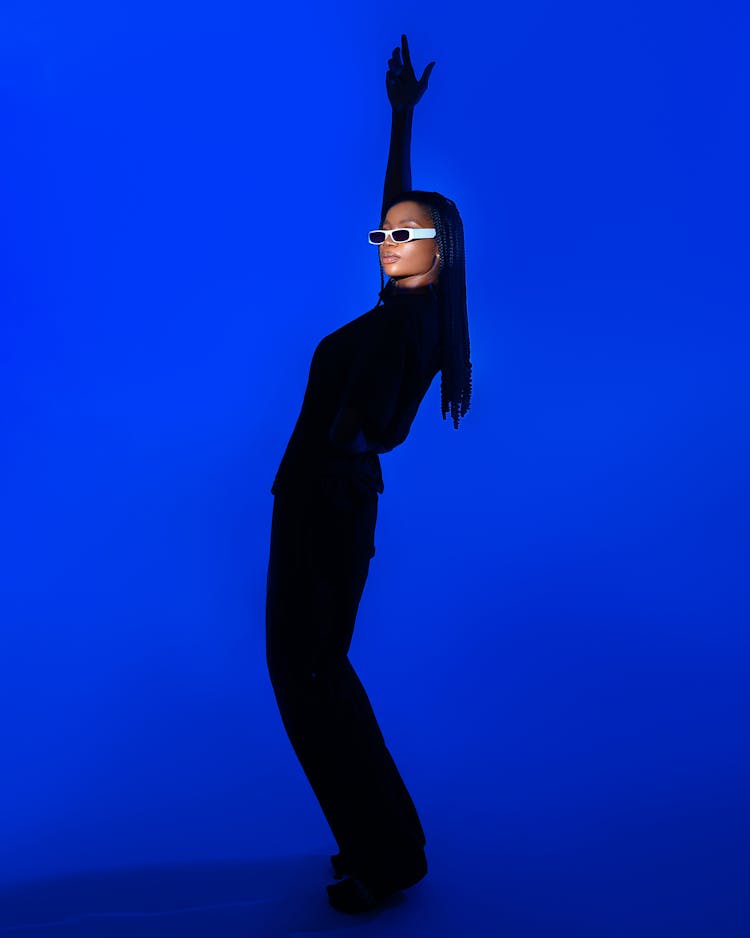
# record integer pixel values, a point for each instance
(399, 235)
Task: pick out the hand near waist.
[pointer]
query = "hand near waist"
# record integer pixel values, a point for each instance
(346, 432)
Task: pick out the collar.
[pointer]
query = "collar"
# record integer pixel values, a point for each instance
(392, 293)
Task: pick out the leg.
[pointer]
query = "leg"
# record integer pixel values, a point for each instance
(318, 565)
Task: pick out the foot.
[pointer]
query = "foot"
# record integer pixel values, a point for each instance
(356, 894)
(352, 896)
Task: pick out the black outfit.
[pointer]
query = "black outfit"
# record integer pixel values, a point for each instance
(366, 382)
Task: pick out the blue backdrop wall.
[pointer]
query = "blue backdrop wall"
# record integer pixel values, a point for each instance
(554, 631)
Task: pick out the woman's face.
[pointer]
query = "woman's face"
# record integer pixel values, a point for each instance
(412, 263)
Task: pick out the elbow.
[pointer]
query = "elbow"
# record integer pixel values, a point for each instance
(346, 434)
(355, 446)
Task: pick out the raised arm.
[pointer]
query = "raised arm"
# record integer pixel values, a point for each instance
(404, 91)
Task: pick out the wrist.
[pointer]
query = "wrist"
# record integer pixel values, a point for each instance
(402, 111)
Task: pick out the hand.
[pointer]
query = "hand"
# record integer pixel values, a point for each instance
(400, 81)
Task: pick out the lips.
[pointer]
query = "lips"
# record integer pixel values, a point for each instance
(389, 258)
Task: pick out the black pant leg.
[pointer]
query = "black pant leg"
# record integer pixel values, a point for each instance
(318, 565)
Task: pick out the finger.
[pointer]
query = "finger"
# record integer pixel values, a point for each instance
(405, 44)
(396, 65)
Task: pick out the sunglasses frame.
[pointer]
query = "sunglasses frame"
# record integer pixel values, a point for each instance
(414, 234)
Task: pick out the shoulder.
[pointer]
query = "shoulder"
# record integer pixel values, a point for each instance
(359, 323)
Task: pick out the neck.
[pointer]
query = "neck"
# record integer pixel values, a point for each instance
(414, 281)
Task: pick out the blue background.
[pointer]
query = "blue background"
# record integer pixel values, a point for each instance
(554, 630)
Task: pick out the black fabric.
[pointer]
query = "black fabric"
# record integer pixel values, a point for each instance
(318, 564)
(365, 384)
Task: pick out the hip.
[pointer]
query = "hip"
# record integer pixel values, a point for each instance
(338, 477)
(334, 522)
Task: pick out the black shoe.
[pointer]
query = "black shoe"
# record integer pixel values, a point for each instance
(355, 894)
(351, 896)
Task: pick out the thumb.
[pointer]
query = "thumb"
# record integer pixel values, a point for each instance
(426, 75)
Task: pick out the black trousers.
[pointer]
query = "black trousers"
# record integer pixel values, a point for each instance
(319, 558)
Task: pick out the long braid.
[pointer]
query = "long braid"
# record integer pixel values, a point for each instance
(456, 369)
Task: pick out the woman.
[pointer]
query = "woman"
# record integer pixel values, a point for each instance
(366, 382)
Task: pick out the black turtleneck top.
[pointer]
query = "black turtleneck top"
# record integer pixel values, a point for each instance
(366, 382)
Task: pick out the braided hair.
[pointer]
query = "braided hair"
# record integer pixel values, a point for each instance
(455, 366)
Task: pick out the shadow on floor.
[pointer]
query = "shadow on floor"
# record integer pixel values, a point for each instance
(259, 898)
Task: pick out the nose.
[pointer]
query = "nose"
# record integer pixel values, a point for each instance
(389, 237)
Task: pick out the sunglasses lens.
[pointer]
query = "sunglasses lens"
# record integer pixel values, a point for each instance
(400, 234)
(377, 237)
